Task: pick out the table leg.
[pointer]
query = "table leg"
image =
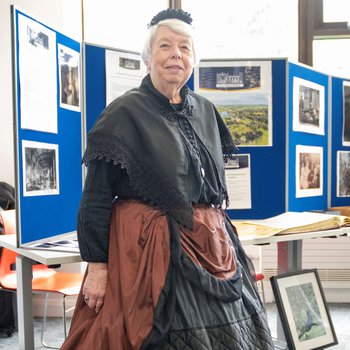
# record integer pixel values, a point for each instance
(289, 259)
(289, 256)
(25, 303)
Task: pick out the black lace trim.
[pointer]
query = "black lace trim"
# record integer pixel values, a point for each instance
(146, 182)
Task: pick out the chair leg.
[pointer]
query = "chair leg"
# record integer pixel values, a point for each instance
(43, 325)
(64, 317)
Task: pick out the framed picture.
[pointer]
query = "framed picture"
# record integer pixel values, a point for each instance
(303, 310)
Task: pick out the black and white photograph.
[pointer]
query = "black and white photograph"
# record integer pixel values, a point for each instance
(343, 174)
(346, 113)
(303, 310)
(309, 170)
(308, 107)
(69, 78)
(40, 168)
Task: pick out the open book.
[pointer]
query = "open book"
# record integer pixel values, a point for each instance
(290, 222)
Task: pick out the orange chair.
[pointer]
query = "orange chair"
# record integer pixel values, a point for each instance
(44, 280)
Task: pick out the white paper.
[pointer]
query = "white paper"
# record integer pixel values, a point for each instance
(238, 182)
(293, 219)
(38, 76)
(124, 71)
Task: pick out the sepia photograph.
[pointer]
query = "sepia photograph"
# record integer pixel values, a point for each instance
(343, 174)
(309, 170)
(308, 106)
(69, 78)
(40, 168)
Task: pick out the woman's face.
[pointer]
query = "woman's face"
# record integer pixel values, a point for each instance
(171, 61)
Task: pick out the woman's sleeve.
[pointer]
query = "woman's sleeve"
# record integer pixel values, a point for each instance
(95, 209)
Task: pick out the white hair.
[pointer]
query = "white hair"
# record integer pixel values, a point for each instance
(177, 26)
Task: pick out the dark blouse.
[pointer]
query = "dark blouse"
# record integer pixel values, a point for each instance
(106, 182)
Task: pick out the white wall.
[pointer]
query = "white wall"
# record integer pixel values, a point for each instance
(245, 28)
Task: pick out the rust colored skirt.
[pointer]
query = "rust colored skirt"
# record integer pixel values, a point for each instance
(139, 257)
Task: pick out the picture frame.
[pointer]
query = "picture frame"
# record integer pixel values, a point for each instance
(303, 310)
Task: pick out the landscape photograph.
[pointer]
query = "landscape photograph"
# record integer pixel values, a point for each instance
(248, 124)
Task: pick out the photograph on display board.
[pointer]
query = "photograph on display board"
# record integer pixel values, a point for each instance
(308, 106)
(242, 93)
(346, 113)
(309, 171)
(343, 174)
(68, 61)
(37, 75)
(40, 168)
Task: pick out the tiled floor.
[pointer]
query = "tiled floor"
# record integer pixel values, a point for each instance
(340, 314)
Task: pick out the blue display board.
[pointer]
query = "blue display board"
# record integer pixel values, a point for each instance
(309, 87)
(49, 176)
(250, 95)
(339, 194)
(95, 78)
(268, 163)
(95, 82)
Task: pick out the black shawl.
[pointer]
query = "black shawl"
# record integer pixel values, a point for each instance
(139, 131)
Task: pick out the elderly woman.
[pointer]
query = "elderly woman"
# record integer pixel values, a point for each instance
(165, 267)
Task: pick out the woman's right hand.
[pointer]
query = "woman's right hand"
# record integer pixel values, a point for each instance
(95, 285)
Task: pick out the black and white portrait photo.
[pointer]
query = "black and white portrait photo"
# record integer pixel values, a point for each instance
(308, 107)
(346, 113)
